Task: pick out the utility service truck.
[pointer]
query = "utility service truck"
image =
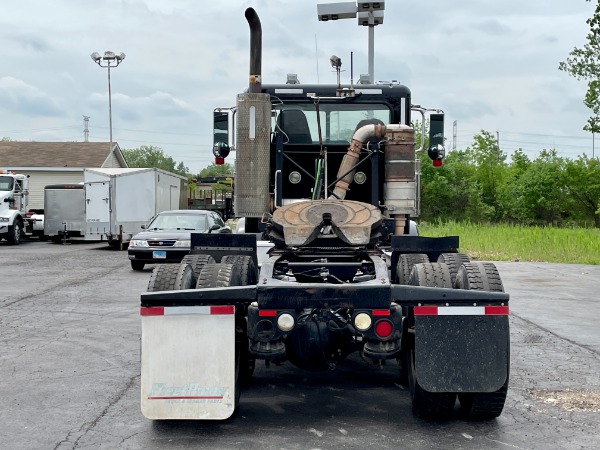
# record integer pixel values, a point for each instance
(329, 175)
(16, 220)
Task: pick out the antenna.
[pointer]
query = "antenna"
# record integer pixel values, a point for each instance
(352, 70)
(86, 131)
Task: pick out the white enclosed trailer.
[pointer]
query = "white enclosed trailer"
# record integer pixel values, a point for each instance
(119, 201)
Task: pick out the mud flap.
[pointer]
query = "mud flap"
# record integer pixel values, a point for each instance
(461, 353)
(188, 362)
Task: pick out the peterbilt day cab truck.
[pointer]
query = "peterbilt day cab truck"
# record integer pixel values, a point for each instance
(16, 220)
(328, 174)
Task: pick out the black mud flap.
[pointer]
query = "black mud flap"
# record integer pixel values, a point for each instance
(461, 353)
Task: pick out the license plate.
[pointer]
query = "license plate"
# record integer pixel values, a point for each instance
(157, 254)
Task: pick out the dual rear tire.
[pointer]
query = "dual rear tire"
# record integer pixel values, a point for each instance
(457, 274)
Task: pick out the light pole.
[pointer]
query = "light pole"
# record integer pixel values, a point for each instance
(116, 60)
(369, 14)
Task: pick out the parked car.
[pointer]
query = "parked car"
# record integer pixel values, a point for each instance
(166, 239)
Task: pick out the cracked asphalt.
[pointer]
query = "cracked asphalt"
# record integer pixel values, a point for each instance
(69, 370)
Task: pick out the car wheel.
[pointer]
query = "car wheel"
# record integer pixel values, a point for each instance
(137, 265)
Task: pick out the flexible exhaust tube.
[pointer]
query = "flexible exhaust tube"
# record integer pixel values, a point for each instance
(255, 51)
(351, 158)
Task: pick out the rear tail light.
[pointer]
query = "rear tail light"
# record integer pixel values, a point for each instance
(384, 328)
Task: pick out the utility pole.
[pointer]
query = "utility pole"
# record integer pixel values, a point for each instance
(454, 127)
(86, 131)
(498, 140)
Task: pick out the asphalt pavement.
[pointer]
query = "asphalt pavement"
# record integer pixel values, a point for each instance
(69, 370)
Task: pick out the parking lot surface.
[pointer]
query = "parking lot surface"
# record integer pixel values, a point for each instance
(70, 372)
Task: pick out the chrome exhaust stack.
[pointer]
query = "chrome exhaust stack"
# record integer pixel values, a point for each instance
(253, 135)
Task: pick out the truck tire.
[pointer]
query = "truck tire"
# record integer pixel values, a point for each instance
(197, 262)
(482, 276)
(219, 275)
(454, 261)
(137, 265)
(170, 277)
(430, 275)
(249, 276)
(249, 273)
(15, 233)
(485, 405)
(406, 263)
(429, 405)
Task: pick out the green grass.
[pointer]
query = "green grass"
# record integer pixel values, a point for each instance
(519, 243)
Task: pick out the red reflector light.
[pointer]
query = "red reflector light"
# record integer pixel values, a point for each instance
(496, 310)
(381, 312)
(425, 310)
(225, 309)
(219, 161)
(437, 162)
(267, 313)
(383, 328)
(154, 311)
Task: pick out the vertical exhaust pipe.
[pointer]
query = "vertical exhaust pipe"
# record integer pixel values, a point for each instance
(255, 50)
(253, 131)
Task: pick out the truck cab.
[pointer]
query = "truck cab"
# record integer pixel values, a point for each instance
(14, 194)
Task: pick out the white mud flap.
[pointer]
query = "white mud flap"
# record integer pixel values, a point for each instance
(188, 362)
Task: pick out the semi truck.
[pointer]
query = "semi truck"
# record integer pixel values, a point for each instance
(16, 220)
(329, 176)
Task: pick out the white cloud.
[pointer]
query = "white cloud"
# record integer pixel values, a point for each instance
(488, 65)
(16, 96)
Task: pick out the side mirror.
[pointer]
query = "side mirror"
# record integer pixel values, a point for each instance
(436, 150)
(221, 151)
(215, 227)
(143, 227)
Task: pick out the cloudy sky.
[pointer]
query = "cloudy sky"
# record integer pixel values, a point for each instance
(489, 65)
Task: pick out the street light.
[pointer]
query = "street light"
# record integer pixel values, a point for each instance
(116, 60)
(370, 14)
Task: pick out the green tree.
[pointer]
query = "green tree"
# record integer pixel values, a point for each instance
(534, 192)
(151, 156)
(584, 63)
(214, 170)
(583, 185)
(490, 163)
(451, 192)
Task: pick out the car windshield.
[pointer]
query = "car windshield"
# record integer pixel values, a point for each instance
(6, 183)
(179, 222)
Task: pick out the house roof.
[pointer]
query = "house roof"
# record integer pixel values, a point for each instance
(57, 154)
